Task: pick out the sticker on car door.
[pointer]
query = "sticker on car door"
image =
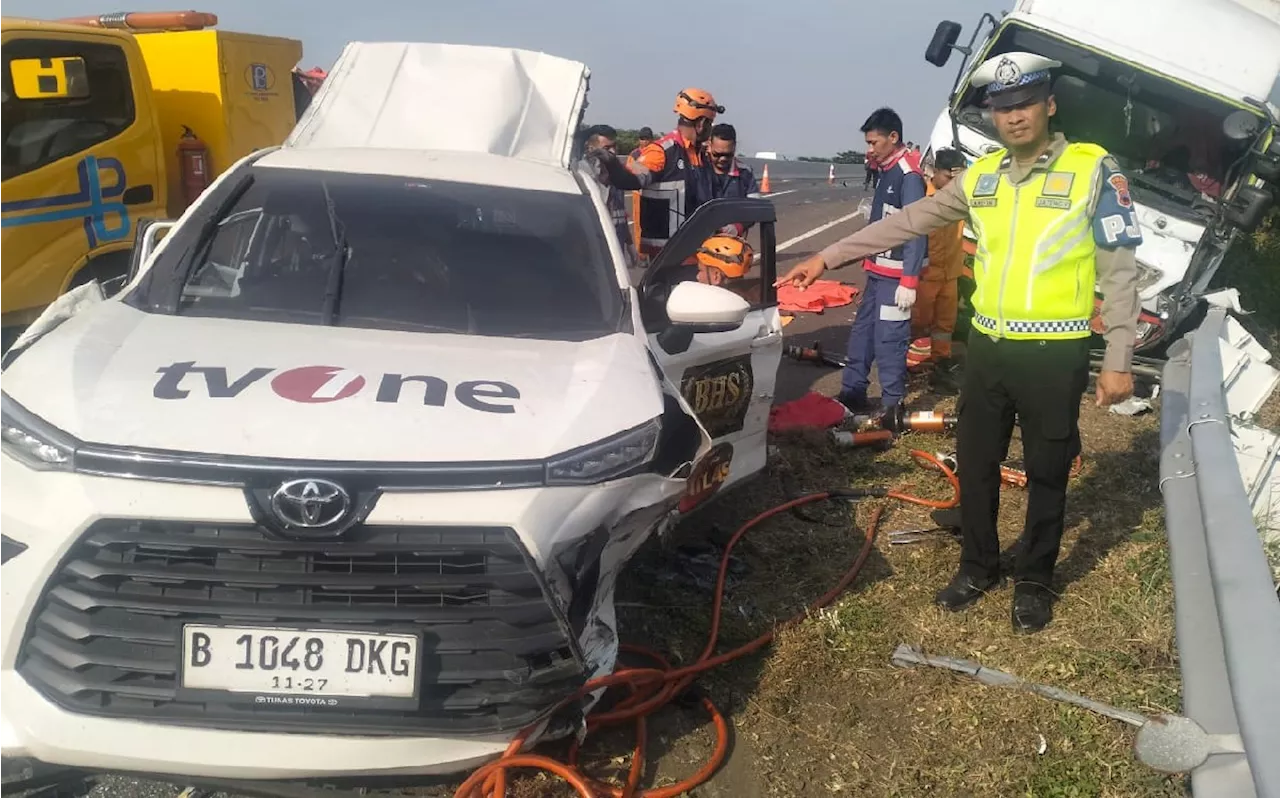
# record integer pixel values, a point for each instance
(708, 476)
(720, 394)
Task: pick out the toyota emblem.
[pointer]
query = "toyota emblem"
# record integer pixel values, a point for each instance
(310, 504)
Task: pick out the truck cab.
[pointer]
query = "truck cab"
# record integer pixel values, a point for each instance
(92, 119)
(1183, 108)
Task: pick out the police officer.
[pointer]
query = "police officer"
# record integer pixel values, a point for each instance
(1051, 216)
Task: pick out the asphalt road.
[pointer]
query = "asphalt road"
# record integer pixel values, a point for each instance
(811, 215)
(807, 210)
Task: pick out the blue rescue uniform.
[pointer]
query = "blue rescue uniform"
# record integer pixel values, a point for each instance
(881, 332)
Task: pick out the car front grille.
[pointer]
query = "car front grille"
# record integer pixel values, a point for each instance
(105, 637)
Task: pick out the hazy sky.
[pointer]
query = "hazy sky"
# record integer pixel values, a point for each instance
(797, 76)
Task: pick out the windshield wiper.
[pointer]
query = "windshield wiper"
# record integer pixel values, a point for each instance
(333, 288)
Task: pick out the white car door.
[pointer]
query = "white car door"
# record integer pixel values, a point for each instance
(727, 376)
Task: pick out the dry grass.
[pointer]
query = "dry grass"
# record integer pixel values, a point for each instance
(823, 712)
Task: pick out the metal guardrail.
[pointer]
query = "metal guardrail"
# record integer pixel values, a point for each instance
(805, 170)
(1226, 609)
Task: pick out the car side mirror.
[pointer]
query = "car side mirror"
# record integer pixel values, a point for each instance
(943, 42)
(707, 307)
(694, 307)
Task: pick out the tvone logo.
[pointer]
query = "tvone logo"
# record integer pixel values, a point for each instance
(322, 384)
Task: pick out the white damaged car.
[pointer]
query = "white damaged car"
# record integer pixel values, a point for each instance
(340, 482)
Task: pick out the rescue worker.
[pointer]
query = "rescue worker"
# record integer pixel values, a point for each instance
(723, 260)
(1049, 215)
(669, 170)
(602, 139)
(643, 139)
(881, 329)
(667, 175)
(933, 321)
(726, 177)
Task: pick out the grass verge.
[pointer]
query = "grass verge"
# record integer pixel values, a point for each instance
(823, 712)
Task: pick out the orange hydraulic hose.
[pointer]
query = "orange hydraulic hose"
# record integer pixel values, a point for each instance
(652, 688)
(926, 460)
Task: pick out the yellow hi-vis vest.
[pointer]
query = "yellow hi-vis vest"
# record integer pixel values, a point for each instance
(1034, 266)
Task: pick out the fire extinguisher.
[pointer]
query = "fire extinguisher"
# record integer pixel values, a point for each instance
(193, 162)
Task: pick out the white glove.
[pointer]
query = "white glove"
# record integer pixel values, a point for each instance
(904, 298)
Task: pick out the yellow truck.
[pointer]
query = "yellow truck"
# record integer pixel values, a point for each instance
(112, 120)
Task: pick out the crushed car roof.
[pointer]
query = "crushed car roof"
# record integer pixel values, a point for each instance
(502, 101)
(467, 167)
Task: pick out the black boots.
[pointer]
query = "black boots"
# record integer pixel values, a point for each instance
(1032, 607)
(964, 591)
(856, 403)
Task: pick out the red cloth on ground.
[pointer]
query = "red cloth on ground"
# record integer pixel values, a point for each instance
(814, 299)
(810, 410)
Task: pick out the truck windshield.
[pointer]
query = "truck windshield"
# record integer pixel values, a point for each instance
(370, 251)
(1167, 138)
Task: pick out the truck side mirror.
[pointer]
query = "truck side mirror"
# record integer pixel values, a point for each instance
(944, 41)
(1267, 166)
(1248, 208)
(1241, 125)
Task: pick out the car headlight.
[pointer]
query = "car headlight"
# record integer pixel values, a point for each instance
(33, 442)
(606, 459)
(1148, 276)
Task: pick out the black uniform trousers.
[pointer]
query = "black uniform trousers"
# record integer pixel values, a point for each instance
(1040, 383)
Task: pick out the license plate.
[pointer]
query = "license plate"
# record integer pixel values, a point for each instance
(310, 666)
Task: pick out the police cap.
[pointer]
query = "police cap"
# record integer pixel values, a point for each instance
(1014, 78)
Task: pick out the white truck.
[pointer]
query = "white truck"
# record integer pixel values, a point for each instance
(340, 482)
(1178, 92)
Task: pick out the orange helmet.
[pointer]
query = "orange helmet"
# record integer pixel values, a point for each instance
(697, 104)
(729, 254)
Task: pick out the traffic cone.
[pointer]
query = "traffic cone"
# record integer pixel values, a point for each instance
(831, 175)
(764, 181)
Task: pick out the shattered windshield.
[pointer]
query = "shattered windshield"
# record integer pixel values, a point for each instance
(1167, 138)
(384, 252)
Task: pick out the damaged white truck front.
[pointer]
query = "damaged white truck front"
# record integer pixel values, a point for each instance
(340, 482)
(1178, 95)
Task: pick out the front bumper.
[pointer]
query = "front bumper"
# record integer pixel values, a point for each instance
(93, 607)
(35, 728)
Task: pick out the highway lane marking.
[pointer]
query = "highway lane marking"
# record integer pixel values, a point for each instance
(791, 242)
(822, 228)
(779, 193)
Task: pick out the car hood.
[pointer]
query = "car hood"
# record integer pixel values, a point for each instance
(116, 375)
